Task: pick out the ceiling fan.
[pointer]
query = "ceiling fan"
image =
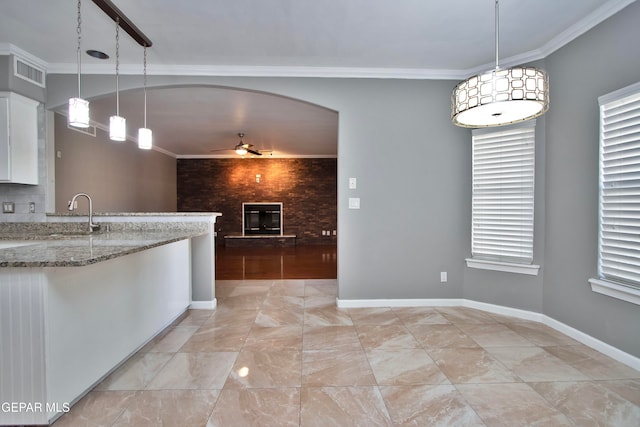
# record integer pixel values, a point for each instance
(242, 147)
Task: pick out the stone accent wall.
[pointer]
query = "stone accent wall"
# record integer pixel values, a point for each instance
(307, 189)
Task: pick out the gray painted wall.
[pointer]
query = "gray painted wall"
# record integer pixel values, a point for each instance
(395, 136)
(603, 60)
(118, 176)
(9, 82)
(412, 166)
(511, 289)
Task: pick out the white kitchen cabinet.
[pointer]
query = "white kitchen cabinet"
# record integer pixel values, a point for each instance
(18, 139)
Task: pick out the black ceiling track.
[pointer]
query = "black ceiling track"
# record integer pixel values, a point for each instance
(125, 23)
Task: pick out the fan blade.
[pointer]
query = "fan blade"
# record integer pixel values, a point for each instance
(257, 153)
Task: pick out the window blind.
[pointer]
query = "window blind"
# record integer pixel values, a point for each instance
(503, 193)
(619, 207)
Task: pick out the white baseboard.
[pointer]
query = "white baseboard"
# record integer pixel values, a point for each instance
(594, 343)
(203, 305)
(505, 311)
(588, 340)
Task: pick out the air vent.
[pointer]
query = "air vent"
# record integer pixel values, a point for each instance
(28, 72)
(91, 130)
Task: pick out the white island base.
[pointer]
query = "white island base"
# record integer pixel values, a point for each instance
(65, 328)
(74, 325)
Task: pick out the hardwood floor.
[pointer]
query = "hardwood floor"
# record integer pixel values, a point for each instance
(298, 262)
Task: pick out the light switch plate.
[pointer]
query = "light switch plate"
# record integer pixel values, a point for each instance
(8, 207)
(353, 184)
(354, 202)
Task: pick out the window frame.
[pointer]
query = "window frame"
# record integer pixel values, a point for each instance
(610, 284)
(506, 262)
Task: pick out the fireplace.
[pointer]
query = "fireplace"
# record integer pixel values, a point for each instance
(262, 219)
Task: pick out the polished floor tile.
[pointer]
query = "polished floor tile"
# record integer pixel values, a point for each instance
(256, 408)
(441, 336)
(386, 337)
(136, 373)
(493, 335)
(471, 365)
(535, 364)
(280, 353)
(511, 405)
(428, 405)
(336, 368)
(592, 363)
(330, 338)
(97, 408)
(590, 404)
(266, 369)
(199, 371)
(404, 367)
(287, 337)
(220, 337)
(170, 340)
(343, 407)
(168, 408)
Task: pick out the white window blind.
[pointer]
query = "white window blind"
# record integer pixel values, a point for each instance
(619, 237)
(503, 193)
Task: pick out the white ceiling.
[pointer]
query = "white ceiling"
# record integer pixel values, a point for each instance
(337, 38)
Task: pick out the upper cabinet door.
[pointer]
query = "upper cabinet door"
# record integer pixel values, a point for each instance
(18, 139)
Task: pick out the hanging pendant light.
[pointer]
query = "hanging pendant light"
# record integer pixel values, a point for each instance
(117, 124)
(78, 108)
(500, 97)
(145, 136)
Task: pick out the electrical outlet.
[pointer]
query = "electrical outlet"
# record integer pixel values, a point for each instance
(443, 276)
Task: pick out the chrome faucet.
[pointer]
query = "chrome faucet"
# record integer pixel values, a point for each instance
(92, 226)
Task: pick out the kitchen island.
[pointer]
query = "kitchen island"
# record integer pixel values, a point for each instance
(74, 305)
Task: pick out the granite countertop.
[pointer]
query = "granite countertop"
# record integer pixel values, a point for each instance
(75, 250)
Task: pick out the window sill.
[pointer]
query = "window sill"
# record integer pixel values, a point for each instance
(614, 290)
(509, 267)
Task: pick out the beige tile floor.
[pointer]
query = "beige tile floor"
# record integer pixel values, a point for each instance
(280, 353)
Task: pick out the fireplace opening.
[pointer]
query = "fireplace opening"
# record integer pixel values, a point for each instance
(261, 219)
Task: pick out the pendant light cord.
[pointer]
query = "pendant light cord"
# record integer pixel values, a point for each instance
(117, 66)
(145, 86)
(497, 22)
(78, 56)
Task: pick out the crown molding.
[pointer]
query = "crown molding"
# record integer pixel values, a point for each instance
(596, 17)
(272, 156)
(599, 15)
(10, 49)
(261, 71)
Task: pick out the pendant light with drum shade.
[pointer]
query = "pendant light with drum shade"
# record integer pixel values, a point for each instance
(117, 124)
(500, 97)
(145, 136)
(78, 108)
